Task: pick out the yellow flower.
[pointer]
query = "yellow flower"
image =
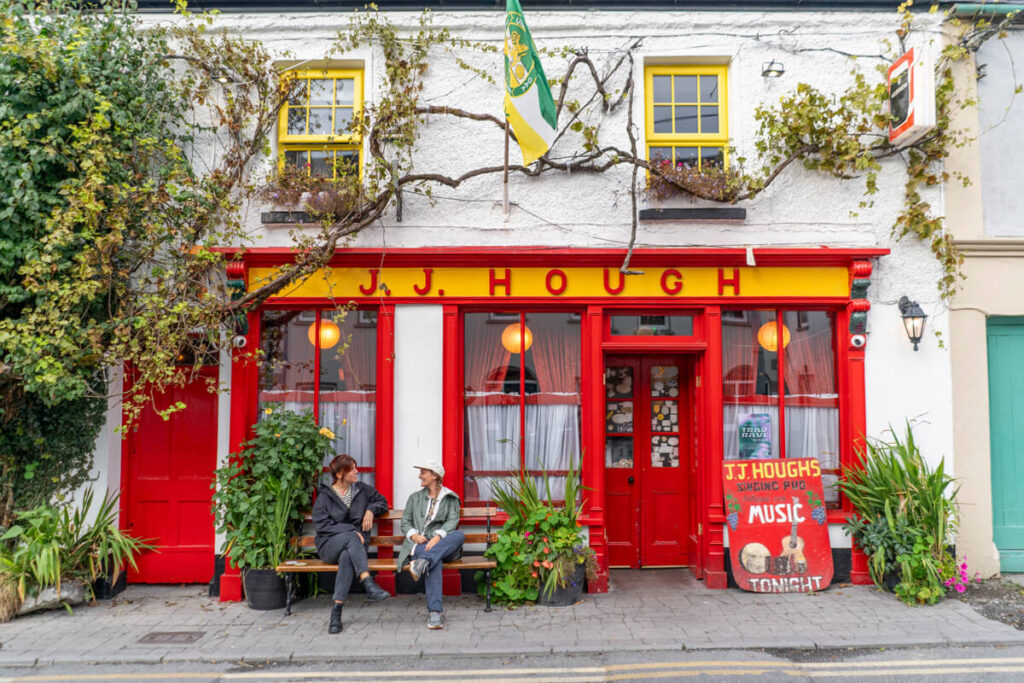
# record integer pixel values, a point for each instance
(268, 411)
(344, 422)
(327, 432)
(277, 435)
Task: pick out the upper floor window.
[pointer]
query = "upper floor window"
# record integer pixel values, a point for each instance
(686, 114)
(315, 127)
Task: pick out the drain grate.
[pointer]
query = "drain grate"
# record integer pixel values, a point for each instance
(171, 637)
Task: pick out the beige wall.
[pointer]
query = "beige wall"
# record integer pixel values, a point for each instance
(994, 285)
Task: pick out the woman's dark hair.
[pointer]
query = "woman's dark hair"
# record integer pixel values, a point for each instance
(341, 465)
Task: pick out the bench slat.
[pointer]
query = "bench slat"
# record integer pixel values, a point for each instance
(312, 566)
(309, 541)
(394, 515)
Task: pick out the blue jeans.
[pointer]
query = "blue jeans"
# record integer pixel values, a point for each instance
(447, 548)
(349, 553)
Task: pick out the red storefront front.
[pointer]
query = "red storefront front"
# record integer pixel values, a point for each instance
(641, 378)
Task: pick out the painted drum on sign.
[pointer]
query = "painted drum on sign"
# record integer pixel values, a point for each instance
(778, 530)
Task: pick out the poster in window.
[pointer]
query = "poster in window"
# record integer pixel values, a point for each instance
(778, 530)
(754, 431)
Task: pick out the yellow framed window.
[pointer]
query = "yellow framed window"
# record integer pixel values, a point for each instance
(686, 115)
(315, 125)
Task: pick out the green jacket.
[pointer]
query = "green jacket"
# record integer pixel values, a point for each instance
(415, 513)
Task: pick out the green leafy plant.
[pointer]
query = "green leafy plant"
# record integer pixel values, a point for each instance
(905, 513)
(259, 496)
(48, 546)
(541, 545)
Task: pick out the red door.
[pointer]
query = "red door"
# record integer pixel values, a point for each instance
(647, 460)
(168, 468)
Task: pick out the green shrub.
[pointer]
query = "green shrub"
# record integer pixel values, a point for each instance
(260, 495)
(541, 544)
(47, 546)
(905, 515)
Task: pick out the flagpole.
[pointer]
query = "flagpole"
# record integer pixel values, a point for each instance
(505, 186)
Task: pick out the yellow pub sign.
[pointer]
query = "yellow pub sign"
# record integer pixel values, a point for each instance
(569, 283)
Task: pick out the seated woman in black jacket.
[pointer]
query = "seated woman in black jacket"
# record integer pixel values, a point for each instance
(343, 515)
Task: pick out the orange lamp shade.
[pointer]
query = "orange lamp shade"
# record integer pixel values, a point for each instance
(768, 336)
(511, 341)
(330, 333)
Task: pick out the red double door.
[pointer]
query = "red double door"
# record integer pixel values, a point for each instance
(650, 460)
(166, 496)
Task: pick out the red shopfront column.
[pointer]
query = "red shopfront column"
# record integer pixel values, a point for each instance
(243, 387)
(592, 373)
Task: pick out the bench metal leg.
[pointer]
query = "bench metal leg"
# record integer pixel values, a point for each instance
(289, 593)
(487, 577)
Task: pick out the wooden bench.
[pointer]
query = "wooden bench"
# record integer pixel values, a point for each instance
(314, 565)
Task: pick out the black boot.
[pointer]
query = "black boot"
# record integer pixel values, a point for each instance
(335, 625)
(374, 593)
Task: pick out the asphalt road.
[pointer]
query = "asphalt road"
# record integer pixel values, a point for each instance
(932, 664)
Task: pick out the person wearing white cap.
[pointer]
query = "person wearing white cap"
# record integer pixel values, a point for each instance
(428, 523)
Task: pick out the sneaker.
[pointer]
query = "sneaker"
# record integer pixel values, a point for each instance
(418, 568)
(374, 593)
(435, 620)
(335, 624)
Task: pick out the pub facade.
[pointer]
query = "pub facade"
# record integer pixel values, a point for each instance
(516, 343)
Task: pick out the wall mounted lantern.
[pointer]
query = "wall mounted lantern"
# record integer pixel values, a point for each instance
(772, 69)
(913, 320)
(330, 333)
(511, 340)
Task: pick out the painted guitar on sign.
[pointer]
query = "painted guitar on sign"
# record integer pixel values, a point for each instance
(777, 504)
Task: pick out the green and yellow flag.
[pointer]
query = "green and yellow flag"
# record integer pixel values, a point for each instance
(529, 107)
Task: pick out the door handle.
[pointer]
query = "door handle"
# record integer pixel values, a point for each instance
(630, 480)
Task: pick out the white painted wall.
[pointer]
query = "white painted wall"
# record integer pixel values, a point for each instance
(418, 394)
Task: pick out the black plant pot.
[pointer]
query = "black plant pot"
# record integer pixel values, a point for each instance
(264, 589)
(890, 580)
(105, 589)
(570, 594)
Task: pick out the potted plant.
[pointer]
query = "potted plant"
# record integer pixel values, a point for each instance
(54, 555)
(905, 516)
(541, 551)
(260, 496)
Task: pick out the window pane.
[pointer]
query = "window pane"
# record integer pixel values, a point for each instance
(812, 401)
(618, 451)
(686, 155)
(552, 368)
(320, 121)
(711, 156)
(344, 91)
(658, 154)
(662, 89)
(709, 119)
(686, 89)
(286, 367)
(320, 91)
(709, 88)
(618, 381)
(320, 164)
(342, 120)
(750, 390)
(491, 404)
(656, 325)
(348, 382)
(663, 119)
(296, 121)
(665, 451)
(686, 119)
(295, 159)
(298, 96)
(347, 162)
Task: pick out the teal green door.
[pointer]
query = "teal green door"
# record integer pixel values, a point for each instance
(1006, 413)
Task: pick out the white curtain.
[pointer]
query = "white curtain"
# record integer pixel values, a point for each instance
(353, 424)
(552, 436)
(813, 432)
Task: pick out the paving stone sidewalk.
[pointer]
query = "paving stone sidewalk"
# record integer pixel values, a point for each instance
(648, 610)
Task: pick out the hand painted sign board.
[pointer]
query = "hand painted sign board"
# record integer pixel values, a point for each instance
(778, 531)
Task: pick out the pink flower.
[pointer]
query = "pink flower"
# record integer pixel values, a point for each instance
(960, 588)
